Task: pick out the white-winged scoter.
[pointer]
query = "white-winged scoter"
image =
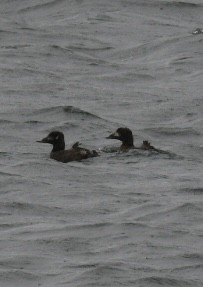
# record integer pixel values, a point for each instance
(75, 153)
(126, 137)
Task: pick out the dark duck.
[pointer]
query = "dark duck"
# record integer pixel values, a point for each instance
(126, 137)
(75, 153)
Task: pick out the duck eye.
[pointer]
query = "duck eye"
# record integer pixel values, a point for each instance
(57, 137)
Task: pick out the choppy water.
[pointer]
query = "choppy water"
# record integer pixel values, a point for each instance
(87, 68)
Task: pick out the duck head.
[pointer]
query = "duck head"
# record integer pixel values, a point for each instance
(55, 138)
(124, 135)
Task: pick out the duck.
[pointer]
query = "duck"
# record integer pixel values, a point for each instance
(125, 135)
(58, 153)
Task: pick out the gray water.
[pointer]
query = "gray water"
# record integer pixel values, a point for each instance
(87, 68)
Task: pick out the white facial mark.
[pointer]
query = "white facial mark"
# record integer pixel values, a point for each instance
(116, 134)
(50, 139)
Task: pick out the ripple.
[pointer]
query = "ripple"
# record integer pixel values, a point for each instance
(166, 281)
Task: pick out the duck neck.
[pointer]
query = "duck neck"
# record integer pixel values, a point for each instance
(128, 143)
(58, 146)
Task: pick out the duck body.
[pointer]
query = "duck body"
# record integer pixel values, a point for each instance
(75, 153)
(126, 137)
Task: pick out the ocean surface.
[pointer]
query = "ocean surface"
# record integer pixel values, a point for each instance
(86, 68)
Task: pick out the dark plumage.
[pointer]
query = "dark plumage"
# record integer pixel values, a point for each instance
(59, 153)
(126, 137)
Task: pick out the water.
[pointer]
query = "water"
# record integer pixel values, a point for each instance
(87, 68)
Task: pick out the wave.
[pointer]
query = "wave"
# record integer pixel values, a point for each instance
(189, 210)
(30, 209)
(166, 282)
(64, 115)
(195, 191)
(166, 3)
(174, 131)
(182, 4)
(74, 110)
(41, 6)
(149, 50)
(17, 275)
(135, 154)
(195, 256)
(5, 122)
(85, 48)
(61, 115)
(62, 109)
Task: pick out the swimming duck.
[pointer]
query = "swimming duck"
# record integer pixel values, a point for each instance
(126, 137)
(75, 153)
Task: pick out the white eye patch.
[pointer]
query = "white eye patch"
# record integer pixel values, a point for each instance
(116, 134)
(50, 139)
(57, 137)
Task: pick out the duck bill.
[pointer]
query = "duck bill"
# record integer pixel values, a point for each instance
(45, 140)
(113, 136)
